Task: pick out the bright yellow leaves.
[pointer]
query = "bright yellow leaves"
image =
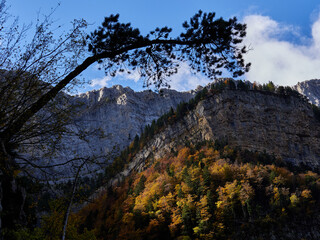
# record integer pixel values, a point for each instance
(204, 209)
(306, 194)
(176, 220)
(246, 192)
(151, 189)
(294, 200)
(233, 192)
(228, 194)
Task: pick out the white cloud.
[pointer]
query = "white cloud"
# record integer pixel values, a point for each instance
(277, 60)
(316, 34)
(100, 82)
(103, 82)
(134, 75)
(184, 80)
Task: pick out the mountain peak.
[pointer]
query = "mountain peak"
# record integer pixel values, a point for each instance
(311, 89)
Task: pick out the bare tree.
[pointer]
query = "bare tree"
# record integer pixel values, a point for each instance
(30, 71)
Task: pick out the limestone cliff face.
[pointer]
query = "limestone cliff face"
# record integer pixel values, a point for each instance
(120, 113)
(106, 121)
(253, 120)
(310, 89)
(284, 126)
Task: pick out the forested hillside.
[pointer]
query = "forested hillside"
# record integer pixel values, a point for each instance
(207, 191)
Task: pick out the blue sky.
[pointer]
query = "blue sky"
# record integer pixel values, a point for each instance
(283, 35)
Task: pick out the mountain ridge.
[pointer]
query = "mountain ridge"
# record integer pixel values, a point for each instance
(283, 126)
(109, 118)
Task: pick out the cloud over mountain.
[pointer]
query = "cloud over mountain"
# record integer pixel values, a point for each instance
(275, 56)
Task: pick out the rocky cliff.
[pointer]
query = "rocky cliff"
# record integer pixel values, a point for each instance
(120, 113)
(259, 121)
(106, 121)
(310, 89)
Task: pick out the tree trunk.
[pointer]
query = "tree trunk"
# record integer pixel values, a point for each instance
(66, 216)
